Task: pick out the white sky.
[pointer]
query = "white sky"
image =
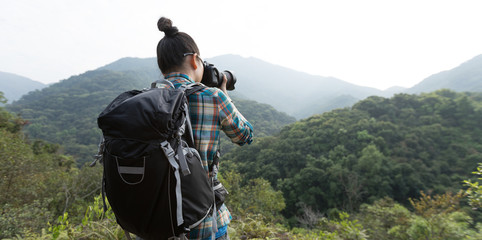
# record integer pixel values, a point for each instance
(367, 42)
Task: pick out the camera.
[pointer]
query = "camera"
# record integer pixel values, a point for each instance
(212, 77)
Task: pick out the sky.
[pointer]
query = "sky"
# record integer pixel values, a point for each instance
(374, 43)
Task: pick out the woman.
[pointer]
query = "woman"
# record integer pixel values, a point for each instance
(211, 110)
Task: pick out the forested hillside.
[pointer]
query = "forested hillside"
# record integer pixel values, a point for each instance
(346, 174)
(66, 112)
(380, 147)
(385, 168)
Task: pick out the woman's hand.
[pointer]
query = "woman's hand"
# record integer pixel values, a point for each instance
(223, 85)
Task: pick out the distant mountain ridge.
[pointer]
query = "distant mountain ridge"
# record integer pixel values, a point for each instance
(287, 90)
(14, 86)
(464, 78)
(134, 64)
(302, 95)
(294, 92)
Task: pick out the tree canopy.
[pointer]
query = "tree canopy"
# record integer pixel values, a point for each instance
(395, 159)
(380, 147)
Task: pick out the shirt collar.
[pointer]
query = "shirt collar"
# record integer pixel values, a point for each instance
(177, 77)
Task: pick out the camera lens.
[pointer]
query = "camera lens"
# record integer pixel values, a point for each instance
(231, 80)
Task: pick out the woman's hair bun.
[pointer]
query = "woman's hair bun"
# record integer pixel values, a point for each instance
(165, 25)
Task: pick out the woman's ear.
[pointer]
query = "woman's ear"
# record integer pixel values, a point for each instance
(193, 61)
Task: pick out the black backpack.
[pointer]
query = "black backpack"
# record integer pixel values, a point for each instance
(153, 176)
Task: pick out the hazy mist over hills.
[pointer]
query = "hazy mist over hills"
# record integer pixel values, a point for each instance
(65, 112)
(287, 90)
(134, 64)
(302, 95)
(14, 86)
(296, 93)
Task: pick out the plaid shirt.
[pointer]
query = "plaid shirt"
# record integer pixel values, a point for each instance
(210, 112)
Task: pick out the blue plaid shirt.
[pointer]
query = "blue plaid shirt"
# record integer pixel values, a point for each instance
(211, 112)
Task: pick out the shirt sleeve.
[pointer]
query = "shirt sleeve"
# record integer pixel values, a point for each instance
(233, 123)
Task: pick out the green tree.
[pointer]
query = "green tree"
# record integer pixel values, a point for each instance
(474, 191)
(439, 217)
(255, 197)
(373, 168)
(383, 218)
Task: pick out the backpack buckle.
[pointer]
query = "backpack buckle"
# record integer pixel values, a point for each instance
(167, 149)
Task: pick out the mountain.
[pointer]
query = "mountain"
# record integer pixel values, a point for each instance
(302, 95)
(134, 64)
(394, 90)
(287, 90)
(14, 86)
(66, 112)
(296, 93)
(465, 78)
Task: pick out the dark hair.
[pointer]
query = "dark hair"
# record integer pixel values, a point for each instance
(171, 48)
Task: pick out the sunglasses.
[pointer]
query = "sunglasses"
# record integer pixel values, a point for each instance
(187, 54)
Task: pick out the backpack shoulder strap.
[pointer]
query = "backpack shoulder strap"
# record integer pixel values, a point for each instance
(161, 81)
(190, 89)
(193, 87)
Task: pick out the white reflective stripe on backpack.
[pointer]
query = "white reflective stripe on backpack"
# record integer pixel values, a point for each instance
(169, 152)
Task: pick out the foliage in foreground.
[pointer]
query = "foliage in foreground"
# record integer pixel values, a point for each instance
(99, 225)
(37, 182)
(433, 217)
(474, 191)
